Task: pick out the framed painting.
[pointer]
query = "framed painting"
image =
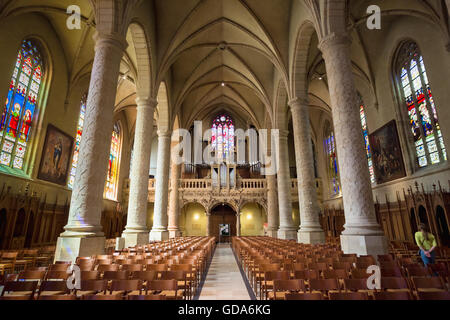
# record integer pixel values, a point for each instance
(387, 156)
(55, 160)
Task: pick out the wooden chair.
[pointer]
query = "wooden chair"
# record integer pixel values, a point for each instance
(441, 295)
(58, 297)
(116, 275)
(268, 280)
(132, 267)
(56, 275)
(169, 288)
(348, 296)
(53, 288)
(181, 277)
(147, 297)
(8, 262)
(102, 297)
(19, 290)
(92, 287)
(58, 267)
(32, 275)
(324, 286)
(282, 287)
(428, 284)
(303, 296)
(90, 275)
(386, 295)
(108, 267)
(125, 287)
(394, 284)
(393, 272)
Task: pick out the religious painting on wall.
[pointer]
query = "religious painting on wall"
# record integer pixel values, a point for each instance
(387, 154)
(56, 155)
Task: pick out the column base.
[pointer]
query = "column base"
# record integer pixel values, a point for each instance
(135, 238)
(174, 234)
(69, 248)
(311, 237)
(272, 233)
(364, 245)
(287, 234)
(159, 235)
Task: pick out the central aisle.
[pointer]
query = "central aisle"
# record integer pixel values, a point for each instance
(224, 280)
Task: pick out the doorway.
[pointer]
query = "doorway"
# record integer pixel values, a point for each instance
(223, 214)
(442, 226)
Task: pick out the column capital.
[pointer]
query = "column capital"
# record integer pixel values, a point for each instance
(110, 40)
(164, 134)
(298, 102)
(283, 134)
(334, 39)
(145, 102)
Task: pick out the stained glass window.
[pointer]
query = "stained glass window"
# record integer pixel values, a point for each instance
(366, 141)
(332, 164)
(222, 138)
(420, 106)
(18, 113)
(76, 150)
(113, 164)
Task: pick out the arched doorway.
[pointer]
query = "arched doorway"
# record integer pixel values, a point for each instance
(3, 222)
(423, 215)
(222, 214)
(413, 222)
(20, 223)
(442, 226)
(30, 229)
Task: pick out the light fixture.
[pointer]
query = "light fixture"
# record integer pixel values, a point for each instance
(196, 216)
(249, 216)
(223, 84)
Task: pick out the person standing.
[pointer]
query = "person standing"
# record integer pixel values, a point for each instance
(427, 243)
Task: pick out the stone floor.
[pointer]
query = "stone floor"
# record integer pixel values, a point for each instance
(224, 280)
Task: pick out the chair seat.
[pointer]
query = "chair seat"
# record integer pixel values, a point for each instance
(51, 293)
(280, 295)
(430, 290)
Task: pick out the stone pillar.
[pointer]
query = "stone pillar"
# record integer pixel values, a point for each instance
(174, 203)
(362, 234)
(208, 224)
(83, 234)
(159, 231)
(136, 231)
(238, 224)
(310, 229)
(272, 206)
(287, 229)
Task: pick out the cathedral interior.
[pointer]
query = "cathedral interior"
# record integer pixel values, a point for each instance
(130, 122)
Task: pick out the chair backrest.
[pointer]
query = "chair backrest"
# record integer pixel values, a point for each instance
(178, 275)
(156, 267)
(147, 297)
(299, 266)
(335, 274)
(144, 275)
(417, 272)
(343, 265)
(102, 297)
(116, 275)
(318, 266)
(181, 267)
(20, 286)
(292, 285)
(58, 267)
(89, 275)
(126, 285)
(393, 283)
(391, 272)
(160, 285)
(349, 296)
(355, 284)
(441, 295)
(324, 285)
(360, 274)
(59, 275)
(387, 295)
(385, 258)
(389, 264)
(58, 297)
(132, 267)
(269, 267)
(276, 275)
(60, 286)
(108, 267)
(31, 275)
(94, 285)
(428, 283)
(304, 296)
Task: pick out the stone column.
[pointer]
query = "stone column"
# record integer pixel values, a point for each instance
(136, 231)
(362, 234)
(310, 229)
(83, 234)
(287, 229)
(238, 224)
(208, 224)
(272, 206)
(174, 203)
(159, 231)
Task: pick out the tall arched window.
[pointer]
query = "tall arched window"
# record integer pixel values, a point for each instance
(366, 141)
(222, 138)
(19, 111)
(416, 94)
(113, 164)
(332, 164)
(76, 150)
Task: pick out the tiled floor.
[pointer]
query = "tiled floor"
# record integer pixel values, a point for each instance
(224, 280)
